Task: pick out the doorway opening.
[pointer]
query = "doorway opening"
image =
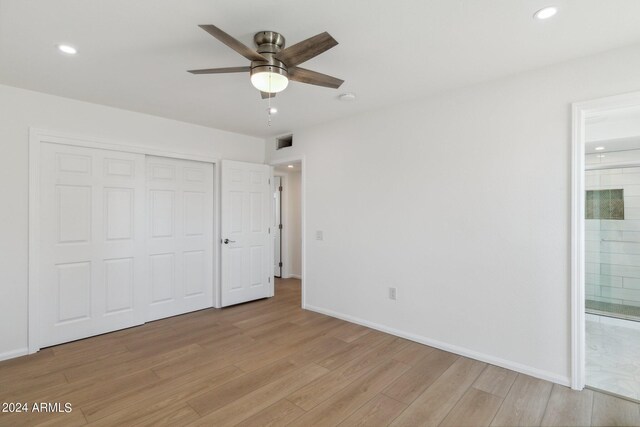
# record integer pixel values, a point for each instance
(607, 211)
(288, 196)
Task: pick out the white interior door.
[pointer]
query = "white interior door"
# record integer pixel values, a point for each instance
(277, 226)
(247, 248)
(179, 236)
(92, 270)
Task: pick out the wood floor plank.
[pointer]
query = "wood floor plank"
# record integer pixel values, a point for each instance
(239, 387)
(17, 390)
(254, 402)
(417, 379)
(476, 409)
(308, 332)
(525, 403)
(88, 391)
(356, 349)
(379, 411)
(72, 419)
(316, 392)
(496, 380)
(319, 349)
(176, 415)
(342, 404)
(413, 353)
(143, 406)
(612, 411)
(221, 357)
(349, 332)
(128, 363)
(433, 405)
(279, 414)
(568, 407)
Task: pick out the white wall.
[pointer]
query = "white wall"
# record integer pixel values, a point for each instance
(461, 201)
(20, 109)
(293, 223)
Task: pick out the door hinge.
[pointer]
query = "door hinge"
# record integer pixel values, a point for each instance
(279, 264)
(269, 279)
(269, 230)
(269, 181)
(280, 226)
(280, 188)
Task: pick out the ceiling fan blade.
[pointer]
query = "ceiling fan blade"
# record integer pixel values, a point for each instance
(306, 49)
(221, 70)
(234, 44)
(303, 75)
(266, 95)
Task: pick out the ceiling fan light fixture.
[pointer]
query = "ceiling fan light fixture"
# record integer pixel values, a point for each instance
(269, 79)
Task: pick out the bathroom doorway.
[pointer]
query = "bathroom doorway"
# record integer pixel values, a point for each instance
(612, 251)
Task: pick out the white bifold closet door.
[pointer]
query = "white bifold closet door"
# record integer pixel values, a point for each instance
(179, 236)
(124, 239)
(92, 252)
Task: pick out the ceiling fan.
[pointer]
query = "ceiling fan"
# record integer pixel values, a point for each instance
(273, 65)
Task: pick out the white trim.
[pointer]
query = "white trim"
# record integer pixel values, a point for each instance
(284, 241)
(33, 334)
(303, 214)
(577, 252)
(217, 273)
(39, 136)
(272, 275)
(105, 144)
(581, 111)
(294, 276)
(14, 353)
(462, 351)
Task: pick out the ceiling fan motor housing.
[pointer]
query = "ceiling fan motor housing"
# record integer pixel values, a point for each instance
(269, 43)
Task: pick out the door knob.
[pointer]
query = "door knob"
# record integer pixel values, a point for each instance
(227, 241)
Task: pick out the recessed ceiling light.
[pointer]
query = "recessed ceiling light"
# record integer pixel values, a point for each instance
(546, 12)
(347, 97)
(599, 148)
(290, 166)
(69, 50)
(272, 110)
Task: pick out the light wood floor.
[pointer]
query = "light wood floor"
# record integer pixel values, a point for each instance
(271, 363)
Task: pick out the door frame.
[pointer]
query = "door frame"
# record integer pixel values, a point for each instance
(282, 248)
(303, 218)
(39, 136)
(581, 111)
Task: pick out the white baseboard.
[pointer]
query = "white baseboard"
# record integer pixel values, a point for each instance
(292, 276)
(14, 353)
(514, 366)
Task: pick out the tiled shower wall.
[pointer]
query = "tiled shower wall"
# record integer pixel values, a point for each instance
(613, 246)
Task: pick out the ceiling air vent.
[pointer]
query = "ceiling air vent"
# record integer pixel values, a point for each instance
(284, 141)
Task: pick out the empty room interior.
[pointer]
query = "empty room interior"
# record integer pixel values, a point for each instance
(296, 213)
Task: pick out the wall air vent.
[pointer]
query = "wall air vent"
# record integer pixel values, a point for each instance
(284, 141)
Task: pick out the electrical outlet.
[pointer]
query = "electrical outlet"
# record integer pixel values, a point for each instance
(319, 235)
(392, 293)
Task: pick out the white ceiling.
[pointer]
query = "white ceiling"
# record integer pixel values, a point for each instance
(613, 130)
(133, 53)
